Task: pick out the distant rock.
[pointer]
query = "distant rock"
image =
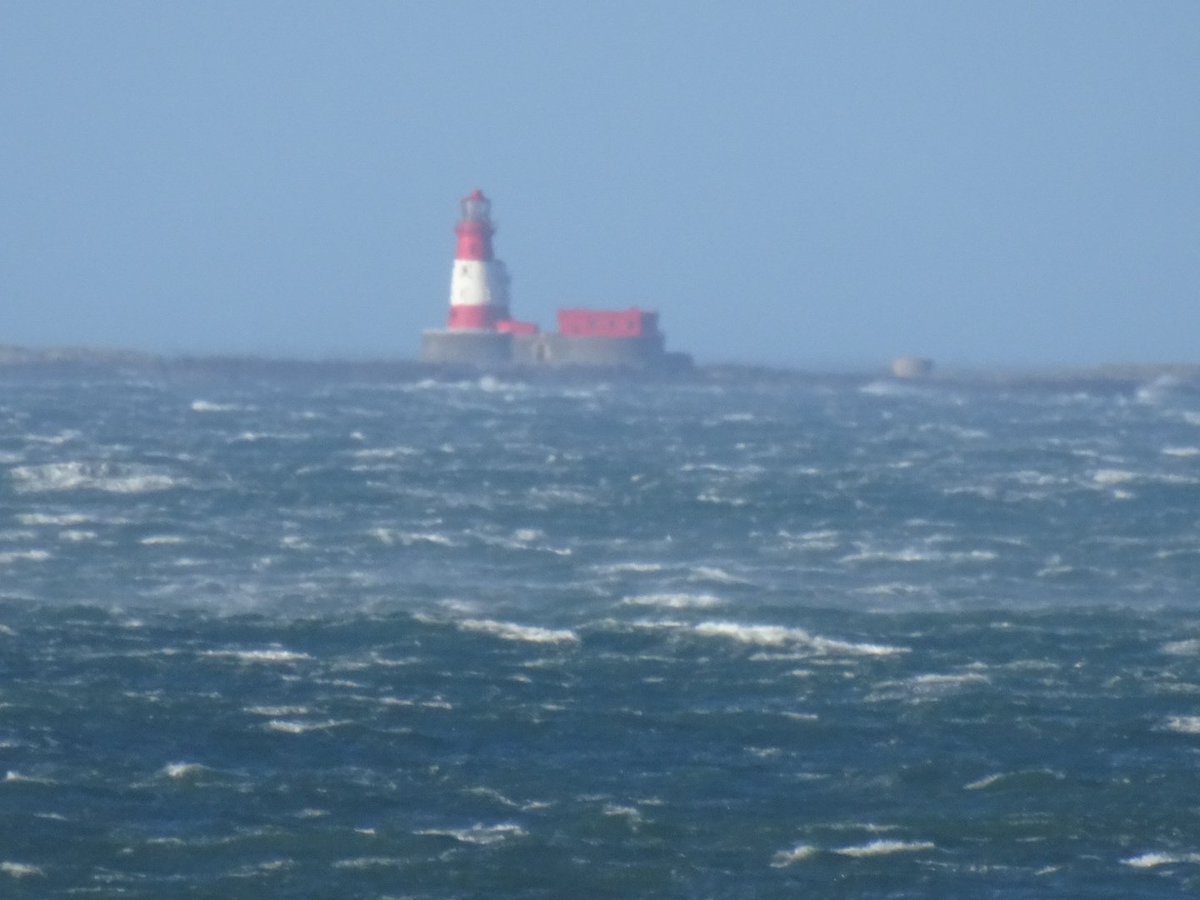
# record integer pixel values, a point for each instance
(911, 367)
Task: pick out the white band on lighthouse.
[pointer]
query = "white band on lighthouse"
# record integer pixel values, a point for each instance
(474, 282)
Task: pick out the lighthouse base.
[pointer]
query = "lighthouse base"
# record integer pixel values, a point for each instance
(591, 352)
(467, 348)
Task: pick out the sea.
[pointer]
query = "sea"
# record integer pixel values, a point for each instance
(731, 636)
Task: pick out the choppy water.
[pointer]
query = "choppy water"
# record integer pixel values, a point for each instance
(755, 639)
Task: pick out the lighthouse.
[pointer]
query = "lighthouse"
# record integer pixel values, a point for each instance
(478, 281)
(481, 332)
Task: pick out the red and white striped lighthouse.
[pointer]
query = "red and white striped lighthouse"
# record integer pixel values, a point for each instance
(479, 281)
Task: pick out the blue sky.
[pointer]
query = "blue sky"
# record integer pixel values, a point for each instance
(809, 185)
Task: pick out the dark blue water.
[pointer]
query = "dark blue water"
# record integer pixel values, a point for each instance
(735, 639)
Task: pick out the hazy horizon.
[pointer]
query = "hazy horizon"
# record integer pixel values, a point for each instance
(799, 186)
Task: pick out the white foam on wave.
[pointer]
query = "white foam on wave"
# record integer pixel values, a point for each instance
(370, 862)
(157, 539)
(483, 835)
(887, 389)
(77, 535)
(788, 857)
(290, 726)
(267, 655)
(386, 452)
(778, 635)
(1155, 392)
(207, 406)
(21, 870)
(1153, 860)
(389, 537)
(1189, 647)
(493, 794)
(277, 711)
(884, 848)
(1113, 476)
(24, 555)
(715, 575)
(915, 555)
(112, 478)
(253, 437)
(183, 770)
(986, 782)
(1025, 775)
(510, 631)
(54, 440)
(519, 540)
(811, 540)
(628, 568)
(257, 870)
(1185, 452)
(12, 777)
(716, 499)
(1183, 724)
(925, 688)
(940, 680)
(673, 601)
(631, 814)
(64, 520)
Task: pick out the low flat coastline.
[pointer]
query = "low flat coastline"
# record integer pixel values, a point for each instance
(66, 362)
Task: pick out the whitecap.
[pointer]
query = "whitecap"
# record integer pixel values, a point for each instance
(1184, 724)
(716, 575)
(673, 601)
(628, 567)
(253, 437)
(510, 631)
(796, 854)
(66, 519)
(27, 555)
(370, 862)
(884, 848)
(155, 540)
(289, 726)
(113, 478)
(21, 870)
(389, 537)
(1181, 451)
(983, 783)
(276, 711)
(12, 777)
(630, 813)
(386, 452)
(269, 655)
(183, 770)
(778, 635)
(255, 870)
(77, 535)
(1113, 476)
(716, 499)
(936, 680)
(1188, 647)
(493, 794)
(478, 834)
(55, 439)
(887, 389)
(1152, 860)
(206, 406)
